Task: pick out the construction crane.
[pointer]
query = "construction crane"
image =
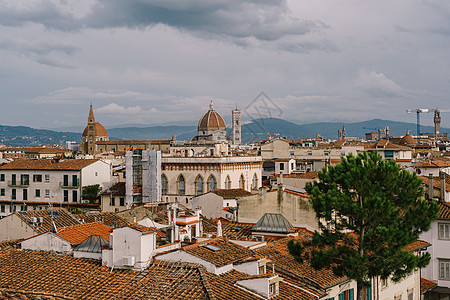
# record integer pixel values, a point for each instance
(380, 130)
(418, 111)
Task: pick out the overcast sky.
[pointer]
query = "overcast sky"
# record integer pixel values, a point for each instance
(161, 61)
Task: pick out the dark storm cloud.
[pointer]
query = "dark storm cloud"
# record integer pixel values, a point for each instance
(235, 20)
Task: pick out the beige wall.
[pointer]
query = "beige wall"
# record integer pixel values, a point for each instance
(295, 208)
(13, 228)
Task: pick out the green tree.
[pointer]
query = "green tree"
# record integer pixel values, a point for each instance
(375, 209)
(91, 193)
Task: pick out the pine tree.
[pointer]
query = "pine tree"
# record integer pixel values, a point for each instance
(368, 211)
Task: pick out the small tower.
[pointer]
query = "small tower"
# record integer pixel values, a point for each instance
(236, 127)
(341, 133)
(91, 132)
(437, 122)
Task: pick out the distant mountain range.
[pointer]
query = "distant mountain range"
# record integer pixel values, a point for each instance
(254, 131)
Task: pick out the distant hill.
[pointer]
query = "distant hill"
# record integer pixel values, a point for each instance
(16, 136)
(254, 131)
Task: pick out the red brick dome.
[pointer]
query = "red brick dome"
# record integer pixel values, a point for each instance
(98, 129)
(212, 120)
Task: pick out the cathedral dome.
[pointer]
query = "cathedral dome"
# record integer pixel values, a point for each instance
(212, 120)
(407, 140)
(99, 130)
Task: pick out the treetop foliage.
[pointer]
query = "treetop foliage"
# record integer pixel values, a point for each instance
(368, 211)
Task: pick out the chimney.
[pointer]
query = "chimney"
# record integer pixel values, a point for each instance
(430, 186)
(174, 137)
(442, 177)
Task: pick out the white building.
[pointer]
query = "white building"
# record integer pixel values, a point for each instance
(439, 236)
(186, 177)
(34, 183)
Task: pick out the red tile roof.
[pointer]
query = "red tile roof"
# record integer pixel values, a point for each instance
(59, 216)
(417, 245)
(426, 285)
(278, 253)
(228, 252)
(48, 164)
(444, 210)
(107, 218)
(78, 233)
(231, 193)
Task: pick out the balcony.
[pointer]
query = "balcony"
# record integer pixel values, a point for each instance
(18, 184)
(66, 185)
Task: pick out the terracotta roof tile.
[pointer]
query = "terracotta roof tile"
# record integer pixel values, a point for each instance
(417, 245)
(78, 233)
(278, 253)
(48, 164)
(426, 285)
(108, 218)
(60, 216)
(231, 193)
(227, 252)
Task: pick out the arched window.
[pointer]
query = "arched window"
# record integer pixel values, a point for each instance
(211, 183)
(228, 183)
(181, 185)
(241, 182)
(199, 185)
(164, 184)
(255, 182)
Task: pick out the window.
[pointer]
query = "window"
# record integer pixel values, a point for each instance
(273, 289)
(342, 153)
(228, 183)
(281, 166)
(444, 231)
(2, 192)
(444, 269)
(66, 180)
(181, 185)
(2, 177)
(37, 193)
(13, 194)
(388, 154)
(164, 185)
(199, 185)
(13, 179)
(211, 183)
(25, 194)
(2, 208)
(187, 201)
(47, 193)
(326, 153)
(309, 153)
(37, 178)
(122, 201)
(255, 181)
(66, 196)
(112, 201)
(347, 295)
(74, 196)
(292, 153)
(411, 294)
(262, 269)
(47, 177)
(241, 182)
(24, 179)
(74, 180)
(398, 297)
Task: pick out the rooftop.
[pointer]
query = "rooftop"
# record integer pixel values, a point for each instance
(48, 164)
(219, 251)
(231, 193)
(76, 234)
(60, 216)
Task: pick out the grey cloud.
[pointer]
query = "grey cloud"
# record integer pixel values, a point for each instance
(42, 53)
(237, 21)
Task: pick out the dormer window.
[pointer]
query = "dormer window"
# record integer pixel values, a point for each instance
(273, 289)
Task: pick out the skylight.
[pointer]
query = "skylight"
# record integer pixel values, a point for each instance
(212, 248)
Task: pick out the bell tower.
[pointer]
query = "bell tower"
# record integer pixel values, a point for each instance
(91, 132)
(236, 126)
(437, 122)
